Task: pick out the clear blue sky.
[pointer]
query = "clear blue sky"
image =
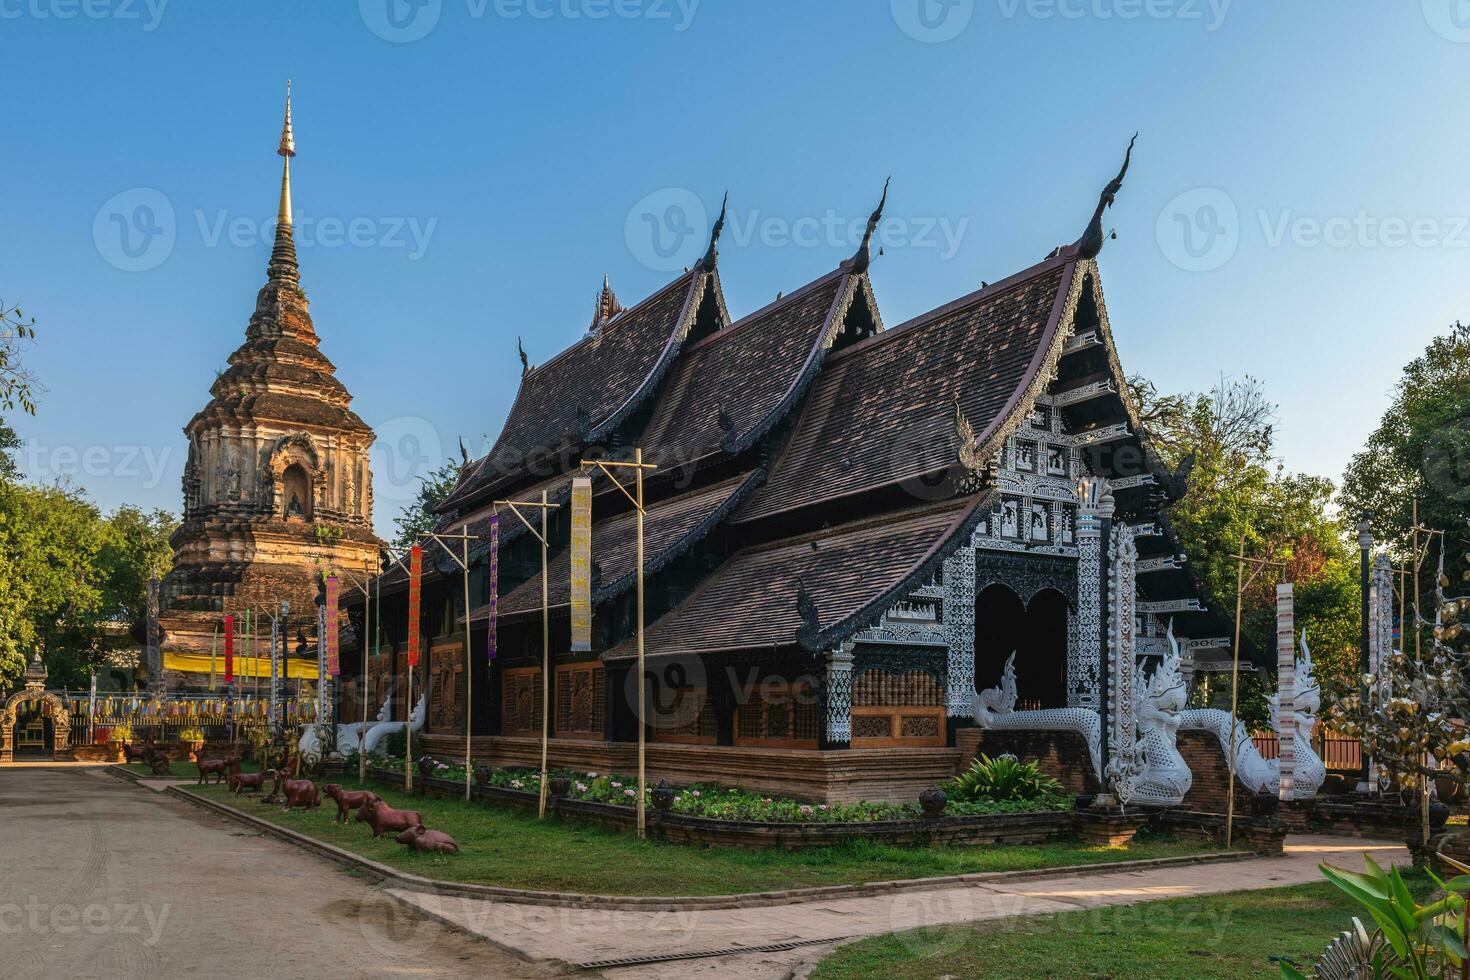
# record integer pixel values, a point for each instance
(519, 139)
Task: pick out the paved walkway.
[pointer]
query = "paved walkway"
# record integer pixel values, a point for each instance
(598, 938)
(101, 879)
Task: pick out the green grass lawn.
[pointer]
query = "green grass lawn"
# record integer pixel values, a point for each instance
(511, 849)
(184, 770)
(1229, 935)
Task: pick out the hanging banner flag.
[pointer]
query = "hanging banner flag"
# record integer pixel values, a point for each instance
(581, 554)
(415, 587)
(334, 664)
(492, 605)
(229, 649)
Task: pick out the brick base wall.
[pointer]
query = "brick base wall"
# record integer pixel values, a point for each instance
(1061, 755)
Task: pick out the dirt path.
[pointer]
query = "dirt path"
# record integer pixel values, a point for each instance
(103, 879)
(770, 942)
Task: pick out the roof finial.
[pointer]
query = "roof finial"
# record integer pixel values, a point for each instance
(525, 361)
(607, 306)
(1091, 242)
(859, 262)
(713, 254)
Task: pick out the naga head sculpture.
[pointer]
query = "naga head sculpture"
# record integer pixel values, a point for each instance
(1163, 695)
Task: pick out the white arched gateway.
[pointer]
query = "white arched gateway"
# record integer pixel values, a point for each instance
(35, 690)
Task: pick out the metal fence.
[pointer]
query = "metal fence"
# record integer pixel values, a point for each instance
(215, 719)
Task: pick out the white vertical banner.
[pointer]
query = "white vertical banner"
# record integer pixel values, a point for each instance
(1285, 689)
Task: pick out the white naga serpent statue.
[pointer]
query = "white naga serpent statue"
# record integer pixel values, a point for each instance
(383, 729)
(1161, 777)
(346, 733)
(1260, 775)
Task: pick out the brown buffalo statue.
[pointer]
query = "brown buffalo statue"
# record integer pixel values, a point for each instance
(301, 793)
(347, 799)
(382, 818)
(421, 838)
(253, 781)
(218, 768)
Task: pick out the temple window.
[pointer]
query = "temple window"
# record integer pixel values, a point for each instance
(579, 701)
(520, 701)
(682, 714)
(897, 709)
(780, 715)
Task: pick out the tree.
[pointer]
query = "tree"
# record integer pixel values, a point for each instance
(1420, 451)
(18, 386)
(418, 517)
(9, 443)
(1237, 491)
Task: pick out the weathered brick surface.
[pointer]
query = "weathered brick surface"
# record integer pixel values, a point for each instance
(1062, 755)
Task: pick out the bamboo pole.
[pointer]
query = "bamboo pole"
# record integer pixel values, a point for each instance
(469, 665)
(642, 680)
(545, 659)
(1234, 695)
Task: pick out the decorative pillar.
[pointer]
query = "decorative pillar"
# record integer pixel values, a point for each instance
(839, 697)
(1380, 644)
(1121, 674)
(1085, 637)
(1365, 545)
(1285, 689)
(959, 633)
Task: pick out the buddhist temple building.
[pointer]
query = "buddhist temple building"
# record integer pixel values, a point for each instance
(851, 528)
(277, 490)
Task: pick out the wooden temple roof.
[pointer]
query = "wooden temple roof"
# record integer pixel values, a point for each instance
(670, 528)
(729, 388)
(752, 600)
(883, 410)
(588, 388)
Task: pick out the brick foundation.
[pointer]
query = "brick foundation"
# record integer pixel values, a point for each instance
(1061, 755)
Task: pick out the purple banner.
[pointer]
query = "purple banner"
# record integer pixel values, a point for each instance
(493, 602)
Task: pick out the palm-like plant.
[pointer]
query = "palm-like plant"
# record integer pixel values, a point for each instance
(1412, 941)
(1003, 778)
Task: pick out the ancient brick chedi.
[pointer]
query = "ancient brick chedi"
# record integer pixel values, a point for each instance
(277, 488)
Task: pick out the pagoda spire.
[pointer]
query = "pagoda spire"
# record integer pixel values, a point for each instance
(864, 257)
(712, 255)
(283, 254)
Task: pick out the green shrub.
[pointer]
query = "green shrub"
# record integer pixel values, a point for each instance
(1002, 778)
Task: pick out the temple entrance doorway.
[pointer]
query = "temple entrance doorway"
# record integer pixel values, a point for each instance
(33, 733)
(1043, 683)
(1000, 622)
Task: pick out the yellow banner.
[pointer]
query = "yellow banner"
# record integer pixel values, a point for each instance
(581, 599)
(198, 663)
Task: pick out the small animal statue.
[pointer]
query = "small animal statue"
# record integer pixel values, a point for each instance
(382, 818)
(232, 776)
(278, 777)
(421, 839)
(348, 799)
(301, 793)
(218, 768)
(157, 760)
(253, 781)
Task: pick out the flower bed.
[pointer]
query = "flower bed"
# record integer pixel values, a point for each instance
(718, 802)
(720, 815)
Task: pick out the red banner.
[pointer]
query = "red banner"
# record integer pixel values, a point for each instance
(334, 663)
(229, 649)
(415, 587)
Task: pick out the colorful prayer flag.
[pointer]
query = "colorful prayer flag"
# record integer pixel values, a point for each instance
(415, 587)
(229, 649)
(581, 556)
(492, 605)
(334, 664)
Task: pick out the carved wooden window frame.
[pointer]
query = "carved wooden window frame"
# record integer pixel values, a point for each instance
(565, 676)
(512, 680)
(795, 710)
